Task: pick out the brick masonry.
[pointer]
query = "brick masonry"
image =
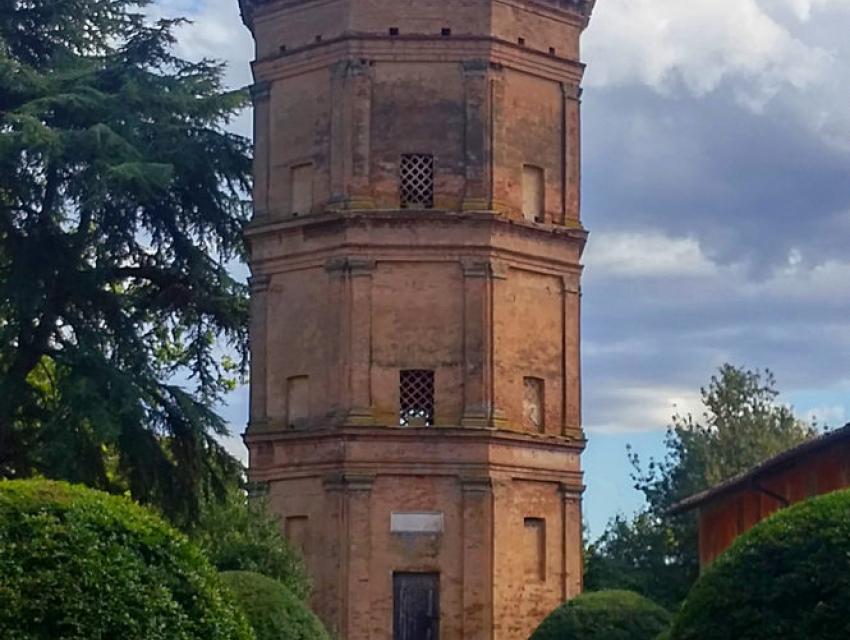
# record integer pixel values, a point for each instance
(348, 290)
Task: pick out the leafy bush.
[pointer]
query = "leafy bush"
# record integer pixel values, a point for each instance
(604, 615)
(273, 611)
(242, 535)
(78, 564)
(787, 577)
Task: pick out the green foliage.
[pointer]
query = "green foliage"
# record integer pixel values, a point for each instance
(122, 201)
(79, 564)
(787, 577)
(604, 615)
(273, 611)
(242, 534)
(632, 554)
(742, 425)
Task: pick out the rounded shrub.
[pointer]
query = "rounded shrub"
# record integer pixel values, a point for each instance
(274, 611)
(605, 615)
(787, 577)
(78, 564)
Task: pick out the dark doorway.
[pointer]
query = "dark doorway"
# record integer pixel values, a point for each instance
(416, 606)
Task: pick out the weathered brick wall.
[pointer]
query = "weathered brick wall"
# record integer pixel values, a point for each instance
(417, 108)
(349, 289)
(421, 17)
(418, 324)
(299, 25)
(540, 29)
(347, 488)
(299, 132)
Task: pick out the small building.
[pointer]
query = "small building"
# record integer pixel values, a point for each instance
(726, 511)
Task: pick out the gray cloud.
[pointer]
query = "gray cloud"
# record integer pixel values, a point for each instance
(718, 204)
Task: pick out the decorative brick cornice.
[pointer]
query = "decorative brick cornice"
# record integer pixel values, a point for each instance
(584, 8)
(570, 284)
(348, 482)
(473, 268)
(571, 91)
(361, 266)
(260, 91)
(259, 283)
(571, 492)
(476, 484)
(489, 268)
(341, 265)
(475, 67)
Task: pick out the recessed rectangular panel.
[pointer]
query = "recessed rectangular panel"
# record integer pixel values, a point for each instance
(535, 549)
(533, 190)
(302, 189)
(296, 529)
(416, 522)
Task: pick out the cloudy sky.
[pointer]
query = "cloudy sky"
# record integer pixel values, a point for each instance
(717, 192)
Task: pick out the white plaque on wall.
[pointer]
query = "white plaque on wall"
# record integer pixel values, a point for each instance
(416, 522)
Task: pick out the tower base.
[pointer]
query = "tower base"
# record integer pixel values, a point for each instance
(474, 532)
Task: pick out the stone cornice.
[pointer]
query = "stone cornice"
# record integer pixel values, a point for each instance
(581, 9)
(418, 48)
(343, 242)
(424, 434)
(259, 283)
(406, 217)
(348, 481)
(473, 484)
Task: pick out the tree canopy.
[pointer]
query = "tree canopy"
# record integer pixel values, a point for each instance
(122, 202)
(241, 534)
(742, 425)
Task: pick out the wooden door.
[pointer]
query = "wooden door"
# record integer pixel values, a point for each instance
(416, 606)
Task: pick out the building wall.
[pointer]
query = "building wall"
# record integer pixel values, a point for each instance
(343, 488)
(299, 23)
(523, 596)
(540, 29)
(481, 304)
(432, 97)
(483, 104)
(730, 514)
(349, 289)
(418, 324)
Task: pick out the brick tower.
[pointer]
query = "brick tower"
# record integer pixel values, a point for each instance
(415, 251)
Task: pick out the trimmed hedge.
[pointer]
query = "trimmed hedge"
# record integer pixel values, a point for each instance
(605, 615)
(787, 577)
(78, 564)
(274, 612)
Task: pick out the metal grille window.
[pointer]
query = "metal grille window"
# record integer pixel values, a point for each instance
(416, 395)
(416, 173)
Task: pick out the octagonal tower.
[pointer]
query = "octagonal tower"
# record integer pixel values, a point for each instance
(415, 257)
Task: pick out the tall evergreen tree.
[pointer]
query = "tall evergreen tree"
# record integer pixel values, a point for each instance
(122, 201)
(743, 424)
